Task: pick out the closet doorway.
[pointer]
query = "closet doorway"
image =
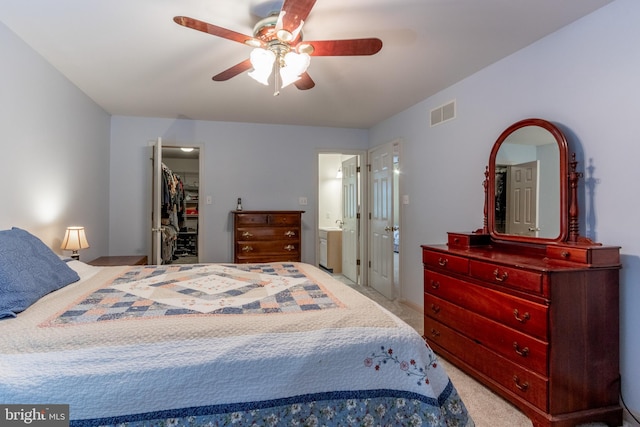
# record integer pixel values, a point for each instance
(176, 238)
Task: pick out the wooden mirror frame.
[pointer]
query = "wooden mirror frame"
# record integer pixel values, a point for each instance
(568, 215)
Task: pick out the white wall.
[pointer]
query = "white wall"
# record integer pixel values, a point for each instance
(585, 77)
(54, 144)
(269, 166)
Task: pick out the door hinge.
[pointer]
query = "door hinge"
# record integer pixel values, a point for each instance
(369, 264)
(357, 169)
(368, 168)
(358, 262)
(358, 215)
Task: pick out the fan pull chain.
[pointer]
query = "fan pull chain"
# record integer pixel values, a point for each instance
(276, 76)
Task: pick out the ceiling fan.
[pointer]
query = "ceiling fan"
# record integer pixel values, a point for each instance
(279, 47)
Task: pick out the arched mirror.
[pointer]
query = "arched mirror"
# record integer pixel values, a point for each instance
(528, 184)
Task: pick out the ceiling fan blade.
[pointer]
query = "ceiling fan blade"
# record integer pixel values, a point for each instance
(369, 46)
(305, 82)
(293, 15)
(233, 71)
(217, 31)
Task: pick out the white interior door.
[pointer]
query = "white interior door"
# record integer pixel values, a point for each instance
(381, 271)
(350, 219)
(156, 230)
(522, 199)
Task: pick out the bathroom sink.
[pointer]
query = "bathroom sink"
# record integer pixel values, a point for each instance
(330, 228)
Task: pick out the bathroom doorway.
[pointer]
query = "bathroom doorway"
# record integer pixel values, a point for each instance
(340, 238)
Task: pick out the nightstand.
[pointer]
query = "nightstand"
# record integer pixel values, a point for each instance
(109, 261)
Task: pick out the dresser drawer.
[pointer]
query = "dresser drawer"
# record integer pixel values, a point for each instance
(592, 255)
(467, 240)
(506, 276)
(517, 313)
(267, 233)
(493, 367)
(258, 248)
(518, 347)
(445, 261)
(251, 219)
(266, 258)
(266, 218)
(284, 219)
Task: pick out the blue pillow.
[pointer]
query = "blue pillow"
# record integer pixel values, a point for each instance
(28, 271)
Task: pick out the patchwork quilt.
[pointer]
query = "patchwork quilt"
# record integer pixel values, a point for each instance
(222, 344)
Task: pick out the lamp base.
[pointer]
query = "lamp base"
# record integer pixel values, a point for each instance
(75, 255)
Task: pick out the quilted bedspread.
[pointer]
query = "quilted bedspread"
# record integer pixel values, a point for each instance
(222, 344)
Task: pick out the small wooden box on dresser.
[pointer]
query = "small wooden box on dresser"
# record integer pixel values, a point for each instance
(535, 320)
(267, 236)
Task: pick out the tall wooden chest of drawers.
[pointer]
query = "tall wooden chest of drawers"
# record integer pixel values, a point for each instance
(267, 236)
(539, 326)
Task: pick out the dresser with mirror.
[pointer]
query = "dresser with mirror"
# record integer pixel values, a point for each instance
(525, 304)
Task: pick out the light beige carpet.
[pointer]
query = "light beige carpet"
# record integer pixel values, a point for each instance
(486, 408)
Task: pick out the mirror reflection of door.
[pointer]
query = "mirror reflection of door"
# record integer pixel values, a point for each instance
(522, 199)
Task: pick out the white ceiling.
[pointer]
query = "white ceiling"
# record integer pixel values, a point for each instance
(132, 59)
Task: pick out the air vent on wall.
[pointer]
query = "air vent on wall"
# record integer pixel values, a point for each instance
(443, 113)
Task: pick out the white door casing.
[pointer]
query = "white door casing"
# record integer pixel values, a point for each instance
(156, 230)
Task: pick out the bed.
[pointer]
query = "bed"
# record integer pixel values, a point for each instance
(218, 344)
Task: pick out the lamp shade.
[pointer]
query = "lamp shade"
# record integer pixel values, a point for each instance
(74, 239)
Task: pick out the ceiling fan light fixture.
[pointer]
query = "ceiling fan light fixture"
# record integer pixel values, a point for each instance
(262, 61)
(305, 48)
(284, 35)
(294, 65)
(253, 42)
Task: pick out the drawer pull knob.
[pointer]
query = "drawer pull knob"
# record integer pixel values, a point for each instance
(524, 317)
(442, 262)
(500, 277)
(247, 248)
(564, 254)
(523, 386)
(522, 352)
(247, 234)
(435, 284)
(289, 248)
(435, 308)
(434, 333)
(290, 233)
